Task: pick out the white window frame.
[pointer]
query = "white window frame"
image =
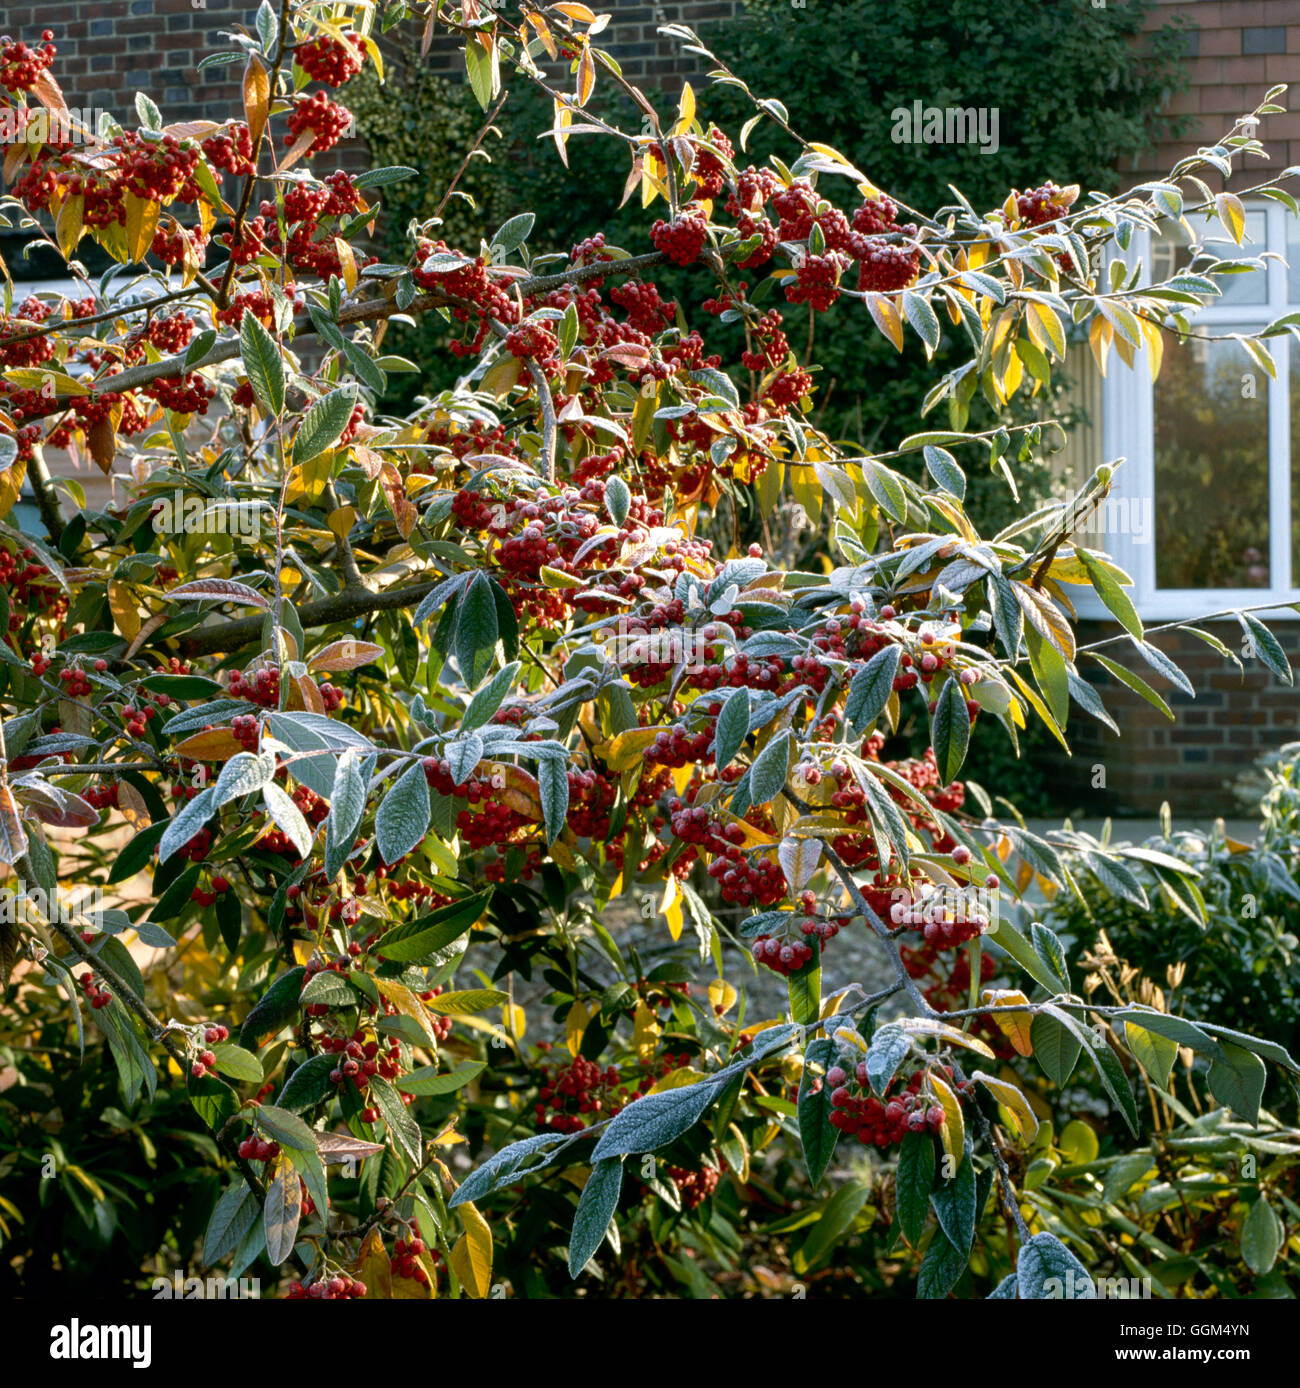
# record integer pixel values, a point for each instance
(1128, 431)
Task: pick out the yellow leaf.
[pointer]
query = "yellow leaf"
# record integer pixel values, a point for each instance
(257, 98)
(685, 110)
(141, 223)
(1011, 1099)
(574, 1026)
(68, 224)
(953, 1132)
(722, 996)
(219, 744)
(1014, 1025)
(373, 1267)
(645, 1032)
(407, 1004)
(1232, 214)
(126, 616)
(671, 907)
(474, 1267)
(623, 752)
(923, 1026)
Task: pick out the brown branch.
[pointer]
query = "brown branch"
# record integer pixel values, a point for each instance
(342, 607)
(366, 311)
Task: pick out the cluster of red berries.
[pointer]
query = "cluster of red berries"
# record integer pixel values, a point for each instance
(569, 1097)
(204, 1065)
(326, 119)
(327, 60)
(406, 1259)
(362, 1059)
(220, 886)
(96, 996)
(75, 682)
(783, 956)
(882, 1122)
(682, 240)
(676, 747)
(817, 280)
(181, 394)
(173, 244)
(231, 149)
(262, 687)
(35, 350)
(258, 1149)
(1042, 205)
(532, 341)
(21, 67)
(137, 720)
(884, 266)
(244, 726)
(694, 1187)
(339, 1287)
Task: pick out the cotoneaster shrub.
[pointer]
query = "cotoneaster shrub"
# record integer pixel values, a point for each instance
(527, 874)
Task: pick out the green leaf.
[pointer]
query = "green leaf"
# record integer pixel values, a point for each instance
(418, 939)
(889, 1047)
(950, 734)
(656, 1119)
(1049, 949)
(553, 784)
(1237, 1081)
(428, 1082)
(1056, 1048)
(237, 1063)
(184, 825)
(1109, 1070)
(1267, 647)
(917, 311)
(322, 425)
(513, 233)
(1138, 685)
(308, 1086)
(288, 817)
(771, 766)
(286, 1128)
(1047, 1270)
(234, 1215)
(804, 987)
(347, 806)
(870, 688)
(262, 364)
(954, 1204)
(1262, 1234)
(243, 774)
(283, 1208)
(596, 1208)
(1111, 592)
(476, 629)
(942, 466)
(402, 1127)
(816, 1135)
(490, 698)
(732, 727)
(402, 819)
(836, 1218)
(511, 1164)
(914, 1182)
(278, 1005)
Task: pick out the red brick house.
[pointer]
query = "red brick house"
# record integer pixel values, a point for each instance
(1206, 515)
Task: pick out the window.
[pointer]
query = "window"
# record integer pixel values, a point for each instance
(1205, 512)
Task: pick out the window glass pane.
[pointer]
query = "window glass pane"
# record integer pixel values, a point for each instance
(1211, 467)
(1171, 253)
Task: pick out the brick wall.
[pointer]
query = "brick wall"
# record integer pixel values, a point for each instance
(1192, 761)
(1236, 52)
